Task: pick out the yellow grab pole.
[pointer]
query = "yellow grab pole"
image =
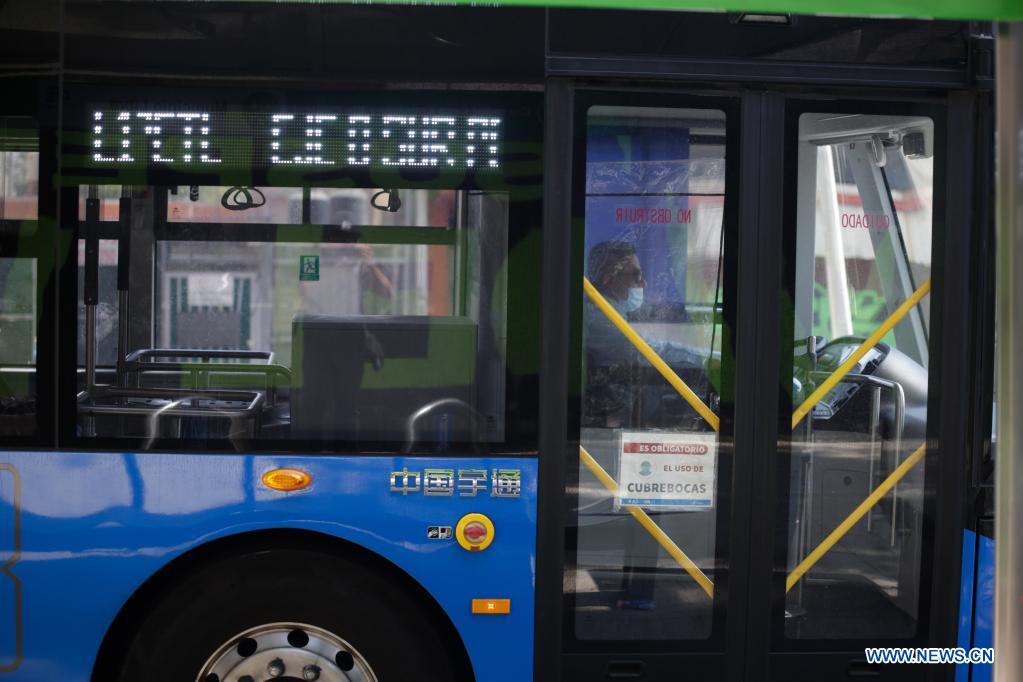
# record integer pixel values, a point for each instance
(860, 351)
(652, 357)
(850, 521)
(680, 557)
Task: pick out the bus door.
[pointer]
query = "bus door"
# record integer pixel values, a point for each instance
(651, 393)
(854, 471)
(750, 482)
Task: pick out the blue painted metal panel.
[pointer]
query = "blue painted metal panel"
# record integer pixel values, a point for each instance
(10, 584)
(966, 584)
(976, 604)
(984, 610)
(95, 526)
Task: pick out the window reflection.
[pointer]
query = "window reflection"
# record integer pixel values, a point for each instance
(863, 248)
(654, 200)
(19, 311)
(372, 315)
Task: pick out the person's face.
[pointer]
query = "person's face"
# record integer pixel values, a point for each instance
(627, 275)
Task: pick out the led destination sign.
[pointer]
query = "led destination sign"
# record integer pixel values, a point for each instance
(198, 139)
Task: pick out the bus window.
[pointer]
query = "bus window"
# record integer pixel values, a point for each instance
(362, 315)
(355, 278)
(108, 199)
(872, 291)
(19, 181)
(654, 210)
(106, 308)
(325, 206)
(863, 250)
(19, 314)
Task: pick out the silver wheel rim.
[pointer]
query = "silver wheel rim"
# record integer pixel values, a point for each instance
(286, 651)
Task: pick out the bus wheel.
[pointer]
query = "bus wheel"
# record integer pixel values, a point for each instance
(294, 615)
(287, 651)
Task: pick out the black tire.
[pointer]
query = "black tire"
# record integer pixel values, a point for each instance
(366, 608)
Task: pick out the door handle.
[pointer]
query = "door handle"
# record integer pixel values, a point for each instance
(619, 670)
(863, 669)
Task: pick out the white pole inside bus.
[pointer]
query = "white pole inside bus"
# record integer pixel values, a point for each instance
(1009, 388)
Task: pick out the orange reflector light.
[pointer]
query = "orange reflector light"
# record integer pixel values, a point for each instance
(287, 479)
(496, 607)
(474, 532)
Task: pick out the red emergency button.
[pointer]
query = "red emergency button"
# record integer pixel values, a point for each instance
(474, 532)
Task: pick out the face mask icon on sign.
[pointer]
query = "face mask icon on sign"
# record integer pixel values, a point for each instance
(645, 469)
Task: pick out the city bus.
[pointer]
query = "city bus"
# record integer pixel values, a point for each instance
(379, 342)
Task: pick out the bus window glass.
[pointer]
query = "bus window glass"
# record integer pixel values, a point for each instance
(654, 206)
(906, 187)
(18, 319)
(326, 206)
(106, 308)
(910, 181)
(109, 197)
(863, 249)
(368, 315)
(19, 314)
(19, 185)
(202, 304)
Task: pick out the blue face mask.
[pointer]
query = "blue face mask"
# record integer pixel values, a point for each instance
(635, 300)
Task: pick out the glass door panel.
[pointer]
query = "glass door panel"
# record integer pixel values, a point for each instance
(649, 503)
(860, 373)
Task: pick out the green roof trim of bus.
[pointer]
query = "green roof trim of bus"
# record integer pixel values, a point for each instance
(980, 10)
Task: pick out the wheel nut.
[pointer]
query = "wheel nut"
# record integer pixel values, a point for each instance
(275, 668)
(311, 672)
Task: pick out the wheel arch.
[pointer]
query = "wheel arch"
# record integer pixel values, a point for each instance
(132, 613)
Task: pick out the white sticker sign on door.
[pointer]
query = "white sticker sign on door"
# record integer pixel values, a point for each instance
(667, 470)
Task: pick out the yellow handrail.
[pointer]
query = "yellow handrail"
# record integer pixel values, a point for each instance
(825, 546)
(701, 408)
(680, 557)
(860, 351)
(851, 520)
(650, 354)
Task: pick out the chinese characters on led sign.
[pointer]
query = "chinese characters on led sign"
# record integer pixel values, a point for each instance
(241, 139)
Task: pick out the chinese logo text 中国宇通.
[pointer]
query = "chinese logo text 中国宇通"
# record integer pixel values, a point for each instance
(467, 483)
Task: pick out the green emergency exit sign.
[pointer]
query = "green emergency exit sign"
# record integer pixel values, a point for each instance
(309, 268)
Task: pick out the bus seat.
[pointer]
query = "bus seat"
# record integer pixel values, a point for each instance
(364, 377)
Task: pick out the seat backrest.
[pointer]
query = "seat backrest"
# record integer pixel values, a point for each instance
(363, 377)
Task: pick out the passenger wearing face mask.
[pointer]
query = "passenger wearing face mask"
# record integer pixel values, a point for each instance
(615, 369)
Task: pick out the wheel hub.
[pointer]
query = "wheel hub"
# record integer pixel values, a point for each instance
(286, 652)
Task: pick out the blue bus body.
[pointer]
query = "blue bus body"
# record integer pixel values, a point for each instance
(83, 533)
(94, 527)
(977, 604)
